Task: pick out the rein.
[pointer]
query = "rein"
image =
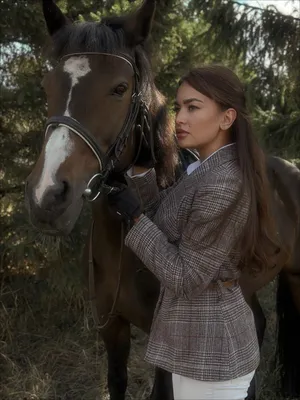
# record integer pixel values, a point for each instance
(92, 289)
(138, 120)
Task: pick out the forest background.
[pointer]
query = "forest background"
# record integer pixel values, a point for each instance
(49, 348)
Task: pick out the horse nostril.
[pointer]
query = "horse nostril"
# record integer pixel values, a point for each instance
(56, 196)
(60, 192)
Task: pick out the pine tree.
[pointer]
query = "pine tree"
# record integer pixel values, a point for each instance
(262, 46)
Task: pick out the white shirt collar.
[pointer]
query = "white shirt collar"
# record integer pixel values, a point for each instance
(191, 168)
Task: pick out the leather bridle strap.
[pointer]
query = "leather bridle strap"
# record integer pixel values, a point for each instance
(107, 161)
(79, 130)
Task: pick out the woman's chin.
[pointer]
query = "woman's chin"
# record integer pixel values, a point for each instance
(185, 144)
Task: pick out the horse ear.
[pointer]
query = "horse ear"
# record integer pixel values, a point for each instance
(137, 26)
(54, 18)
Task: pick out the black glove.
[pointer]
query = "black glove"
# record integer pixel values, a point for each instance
(125, 203)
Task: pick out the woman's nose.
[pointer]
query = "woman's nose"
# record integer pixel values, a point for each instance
(180, 118)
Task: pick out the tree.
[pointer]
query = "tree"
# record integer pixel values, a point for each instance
(262, 46)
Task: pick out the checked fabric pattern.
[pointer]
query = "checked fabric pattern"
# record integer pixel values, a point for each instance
(197, 331)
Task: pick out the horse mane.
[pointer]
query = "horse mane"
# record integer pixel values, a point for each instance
(108, 36)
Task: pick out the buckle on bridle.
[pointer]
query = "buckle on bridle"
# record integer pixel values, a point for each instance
(101, 187)
(91, 185)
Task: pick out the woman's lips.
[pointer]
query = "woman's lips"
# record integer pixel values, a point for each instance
(181, 134)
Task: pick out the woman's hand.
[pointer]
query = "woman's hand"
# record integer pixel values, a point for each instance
(125, 203)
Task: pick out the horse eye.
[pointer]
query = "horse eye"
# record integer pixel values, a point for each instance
(120, 89)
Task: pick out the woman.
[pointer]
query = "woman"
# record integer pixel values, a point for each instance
(196, 237)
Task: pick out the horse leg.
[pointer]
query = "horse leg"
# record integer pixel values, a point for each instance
(260, 323)
(163, 386)
(117, 343)
(288, 328)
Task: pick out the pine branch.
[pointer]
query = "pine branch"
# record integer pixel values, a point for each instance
(268, 10)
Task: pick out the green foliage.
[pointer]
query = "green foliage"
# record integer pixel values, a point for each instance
(261, 46)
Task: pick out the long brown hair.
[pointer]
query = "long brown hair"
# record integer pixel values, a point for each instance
(259, 240)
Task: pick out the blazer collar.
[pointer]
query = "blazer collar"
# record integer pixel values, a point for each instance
(221, 156)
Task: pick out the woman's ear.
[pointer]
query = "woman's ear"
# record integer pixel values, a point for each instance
(229, 116)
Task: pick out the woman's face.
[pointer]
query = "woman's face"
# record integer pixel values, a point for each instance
(200, 123)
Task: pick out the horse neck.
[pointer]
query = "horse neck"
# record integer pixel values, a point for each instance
(106, 235)
(102, 216)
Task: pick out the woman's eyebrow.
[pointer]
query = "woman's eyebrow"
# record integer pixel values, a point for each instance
(192, 99)
(187, 101)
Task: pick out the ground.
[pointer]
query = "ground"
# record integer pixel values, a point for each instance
(49, 348)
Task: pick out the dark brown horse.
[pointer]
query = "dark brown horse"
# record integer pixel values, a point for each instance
(104, 115)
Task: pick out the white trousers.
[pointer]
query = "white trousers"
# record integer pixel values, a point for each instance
(190, 389)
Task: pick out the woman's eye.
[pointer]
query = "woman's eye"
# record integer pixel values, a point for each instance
(192, 108)
(176, 110)
(120, 89)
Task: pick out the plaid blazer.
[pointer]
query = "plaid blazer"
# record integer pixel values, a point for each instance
(202, 331)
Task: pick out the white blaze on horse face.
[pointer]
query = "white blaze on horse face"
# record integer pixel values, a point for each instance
(76, 67)
(60, 142)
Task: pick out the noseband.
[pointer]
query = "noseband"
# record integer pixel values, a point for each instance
(137, 119)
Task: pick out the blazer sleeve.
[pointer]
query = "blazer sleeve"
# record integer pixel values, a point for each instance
(145, 185)
(187, 269)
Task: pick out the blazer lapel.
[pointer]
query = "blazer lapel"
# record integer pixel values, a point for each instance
(221, 156)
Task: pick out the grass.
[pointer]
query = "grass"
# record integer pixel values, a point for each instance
(267, 374)
(50, 350)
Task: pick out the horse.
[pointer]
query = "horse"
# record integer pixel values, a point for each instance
(104, 115)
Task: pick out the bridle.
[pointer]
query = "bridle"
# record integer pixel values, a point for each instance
(138, 119)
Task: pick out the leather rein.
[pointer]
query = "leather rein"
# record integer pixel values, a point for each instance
(138, 119)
